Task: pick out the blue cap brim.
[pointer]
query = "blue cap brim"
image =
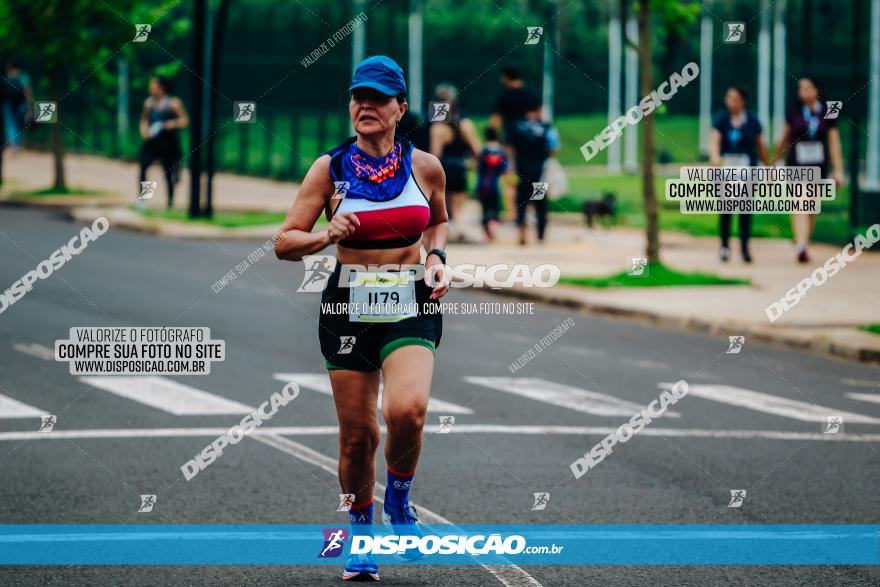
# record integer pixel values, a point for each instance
(378, 86)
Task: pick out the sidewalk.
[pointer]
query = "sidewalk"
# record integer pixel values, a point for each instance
(825, 321)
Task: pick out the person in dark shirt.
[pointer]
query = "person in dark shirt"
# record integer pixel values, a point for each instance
(413, 128)
(736, 140)
(533, 142)
(162, 117)
(511, 106)
(810, 138)
(454, 141)
(492, 164)
(513, 103)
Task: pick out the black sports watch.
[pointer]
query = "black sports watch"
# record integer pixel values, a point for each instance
(439, 252)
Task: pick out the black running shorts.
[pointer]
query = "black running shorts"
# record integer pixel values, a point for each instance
(364, 346)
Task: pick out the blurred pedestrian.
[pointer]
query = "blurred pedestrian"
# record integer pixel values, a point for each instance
(511, 106)
(453, 141)
(533, 141)
(736, 140)
(18, 105)
(492, 164)
(810, 138)
(413, 128)
(162, 116)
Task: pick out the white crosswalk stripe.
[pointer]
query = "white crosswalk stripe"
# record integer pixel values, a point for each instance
(865, 397)
(771, 404)
(168, 395)
(12, 408)
(321, 383)
(566, 396)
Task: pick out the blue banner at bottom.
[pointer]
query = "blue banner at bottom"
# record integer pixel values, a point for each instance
(757, 544)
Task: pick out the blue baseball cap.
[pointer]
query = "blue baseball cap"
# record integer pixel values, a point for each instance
(380, 73)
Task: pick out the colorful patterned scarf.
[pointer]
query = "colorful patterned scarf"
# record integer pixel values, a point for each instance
(377, 179)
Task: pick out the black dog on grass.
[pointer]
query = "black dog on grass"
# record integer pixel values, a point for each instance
(603, 208)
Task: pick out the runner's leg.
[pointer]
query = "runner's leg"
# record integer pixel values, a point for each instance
(355, 394)
(408, 371)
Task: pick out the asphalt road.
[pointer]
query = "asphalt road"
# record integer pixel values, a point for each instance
(792, 473)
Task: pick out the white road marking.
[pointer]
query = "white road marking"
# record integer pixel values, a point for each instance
(865, 397)
(859, 382)
(12, 408)
(771, 404)
(168, 396)
(35, 350)
(599, 431)
(320, 382)
(508, 575)
(566, 396)
(581, 351)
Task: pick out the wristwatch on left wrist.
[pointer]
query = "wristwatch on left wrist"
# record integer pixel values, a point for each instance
(439, 252)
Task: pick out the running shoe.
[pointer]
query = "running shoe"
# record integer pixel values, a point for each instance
(405, 521)
(747, 257)
(803, 256)
(725, 254)
(360, 567)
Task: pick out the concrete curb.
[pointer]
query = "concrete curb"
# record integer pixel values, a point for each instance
(129, 220)
(61, 201)
(828, 342)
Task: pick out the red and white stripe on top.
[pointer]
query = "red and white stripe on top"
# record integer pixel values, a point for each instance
(405, 216)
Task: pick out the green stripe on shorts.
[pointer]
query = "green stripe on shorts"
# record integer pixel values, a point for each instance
(402, 342)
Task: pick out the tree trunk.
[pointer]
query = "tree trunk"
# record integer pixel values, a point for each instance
(57, 138)
(652, 246)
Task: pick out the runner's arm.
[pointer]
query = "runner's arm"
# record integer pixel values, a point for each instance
(182, 120)
(145, 120)
(714, 147)
(296, 239)
(470, 134)
(836, 153)
(783, 145)
(763, 155)
(437, 233)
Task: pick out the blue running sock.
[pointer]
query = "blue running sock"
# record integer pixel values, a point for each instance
(361, 514)
(397, 490)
